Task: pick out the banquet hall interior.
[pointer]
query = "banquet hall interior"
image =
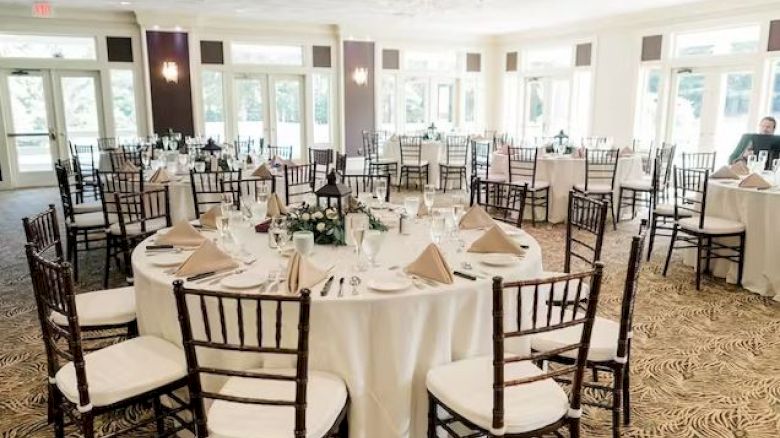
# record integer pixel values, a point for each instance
(389, 218)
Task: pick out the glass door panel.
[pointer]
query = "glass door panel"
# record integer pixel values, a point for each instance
(287, 112)
(534, 109)
(733, 112)
(251, 100)
(445, 104)
(688, 101)
(81, 110)
(415, 104)
(560, 92)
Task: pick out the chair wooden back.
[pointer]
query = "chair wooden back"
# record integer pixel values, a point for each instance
(243, 146)
(457, 150)
(522, 165)
(629, 292)
(117, 182)
(85, 155)
(320, 157)
(207, 188)
(411, 150)
(366, 184)
(140, 209)
(249, 188)
(341, 163)
(284, 152)
(298, 181)
(699, 161)
(480, 159)
(371, 146)
(64, 185)
(524, 297)
(503, 201)
(248, 325)
(119, 158)
(587, 219)
(600, 167)
(43, 232)
(690, 193)
(107, 143)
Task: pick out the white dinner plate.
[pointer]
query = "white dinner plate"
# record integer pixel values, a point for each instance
(167, 260)
(389, 283)
(498, 259)
(244, 280)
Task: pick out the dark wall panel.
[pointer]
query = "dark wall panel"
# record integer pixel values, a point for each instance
(321, 56)
(211, 52)
(120, 49)
(511, 61)
(171, 102)
(473, 62)
(358, 99)
(584, 51)
(651, 47)
(774, 36)
(391, 59)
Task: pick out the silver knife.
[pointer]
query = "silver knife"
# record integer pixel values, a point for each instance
(326, 288)
(341, 287)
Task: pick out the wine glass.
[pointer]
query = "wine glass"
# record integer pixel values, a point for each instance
(438, 226)
(752, 162)
(372, 243)
(278, 233)
(763, 157)
(146, 159)
(226, 203)
(183, 158)
(223, 223)
(380, 189)
(458, 204)
(412, 206)
(429, 194)
(358, 233)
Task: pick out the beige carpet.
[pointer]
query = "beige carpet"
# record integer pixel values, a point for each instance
(705, 363)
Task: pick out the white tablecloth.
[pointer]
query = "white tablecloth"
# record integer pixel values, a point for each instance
(563, 173)
(759, 210)
(431, 152)
(381, 344)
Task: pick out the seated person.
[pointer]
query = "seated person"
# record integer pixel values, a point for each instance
(766, 126)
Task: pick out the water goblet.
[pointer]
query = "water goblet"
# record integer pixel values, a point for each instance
(429, 195)
(412, 206)
(372, 243)
(380, 189)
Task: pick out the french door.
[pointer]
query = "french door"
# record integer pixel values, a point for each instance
(547, 102)
(271, 107)
(710, 109)
(46, 109)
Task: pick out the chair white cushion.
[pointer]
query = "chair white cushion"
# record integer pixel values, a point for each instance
(594, 188)
(466, 387)
(540, 185)
(103, 307)
(712, 225)
(603, 339)
(135, 228)
(415, 164)
(559, 289)
(326, 395)
(87, 220)
(638, 184)
(668, 210)
(495, 178)
(124, 370)
(87, 207)
(385, 161)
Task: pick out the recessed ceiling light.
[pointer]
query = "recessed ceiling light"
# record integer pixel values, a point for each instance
(124, 3)
(177, 28)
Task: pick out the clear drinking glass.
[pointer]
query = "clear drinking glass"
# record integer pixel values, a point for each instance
(146, 159)
(358, 234)
(763, 157)
(372, 243)
(380, 189)
(438, 227)
(226, 203)
(429, 195)
(752, 162)
(412, 206)
(200, 166)
(223, 223)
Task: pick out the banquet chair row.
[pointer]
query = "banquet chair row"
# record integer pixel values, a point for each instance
(84, 168)
(456, 151)
(600, 171)
(523, 164)
(648, 191)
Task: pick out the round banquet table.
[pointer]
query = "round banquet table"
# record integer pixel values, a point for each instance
(563, 172)
(380, 344)
(759, 211)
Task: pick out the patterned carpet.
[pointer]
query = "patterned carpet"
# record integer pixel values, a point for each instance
(705, 363)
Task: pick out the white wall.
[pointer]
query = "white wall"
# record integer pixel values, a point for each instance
(616, 57)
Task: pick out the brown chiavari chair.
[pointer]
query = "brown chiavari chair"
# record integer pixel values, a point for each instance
(523, 163)
(298, 181)
(600, 171)
(243, 146)
(139, 215)
(251, 402)
(708, 234)
(321, 158)
(526, 400)
(208, 187)
(412, 164)
(365, 184)
(341, 163)
(480, 160)
(699, 161)
(85, 385)
(85, 158)
(503, 201)
(43, 232)
(77, 186)
(84, 231)
(120, 158)
(662, 213)
(284, 152)
(107, 143)
(610, 343)
(456, 156)
(374, 164)
(248, 188)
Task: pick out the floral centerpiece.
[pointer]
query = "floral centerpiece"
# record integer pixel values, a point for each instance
(326, 223)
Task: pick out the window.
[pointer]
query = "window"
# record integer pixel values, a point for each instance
(247, 53)
(445, 104)
(430, 61)
(213, 104)
(321, 89)
(47, 46)
(547, 58)
(510, 103)
(470, 96)
(123, 94)
(774, 91)
(581, 104)
(649, 94)
(731, 41)
(734, 113)
(415, 97)
(250, 106)
(387, 102)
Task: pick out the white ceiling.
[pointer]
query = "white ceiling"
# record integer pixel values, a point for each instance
(468, 16)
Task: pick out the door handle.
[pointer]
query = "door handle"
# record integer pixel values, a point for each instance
(52, 135)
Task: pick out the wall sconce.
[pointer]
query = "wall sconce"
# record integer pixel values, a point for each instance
(170, 72)
(360, 76)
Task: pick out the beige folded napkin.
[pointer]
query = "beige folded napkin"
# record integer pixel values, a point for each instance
(495, 240)
(129, 167)
(160, 176)
(431, 265)
(209, 219)
(302, 273)
(476, 218)
(625, 152)
(207, 258)
(755, 181)
(263, 172)
(740, 168)
(275, 206)
(724, 172)
(182, 234)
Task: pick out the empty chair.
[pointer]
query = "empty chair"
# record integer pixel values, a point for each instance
(662, 212)
(600, 171)
(83, 386)
(322, 159)
(283, 152)
(256, 402)
(505, 394)
(480, 160)
(503, 201)
(120, 159)
(610, 342)
(412, 164)
(244, 146)
(374, 163)
(107, 143)
(85, 167)
(693, 228)
(699, 161)
(298, 182)
(208, 187)
(454, 166)
(368, 184)
(523, 163)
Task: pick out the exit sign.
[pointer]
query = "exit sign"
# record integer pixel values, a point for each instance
(41, 9)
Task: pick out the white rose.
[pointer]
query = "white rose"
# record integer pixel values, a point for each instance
(305, 217)
(331, 214)
(321, 226)
(317, 215)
